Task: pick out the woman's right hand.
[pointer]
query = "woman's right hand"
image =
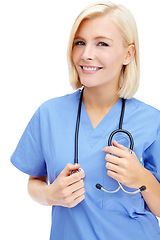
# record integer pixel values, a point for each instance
(67, 190)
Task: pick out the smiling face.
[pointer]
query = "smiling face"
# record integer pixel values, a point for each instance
(99, 52)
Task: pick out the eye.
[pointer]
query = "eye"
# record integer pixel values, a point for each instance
(103, 44)
(79, 43)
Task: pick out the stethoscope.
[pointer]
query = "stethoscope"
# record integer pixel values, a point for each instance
(119, 130)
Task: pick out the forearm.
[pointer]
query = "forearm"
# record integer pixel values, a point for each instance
(152, 194)
(37, 188)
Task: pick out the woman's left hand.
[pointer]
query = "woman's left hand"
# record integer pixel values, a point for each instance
(124, 166)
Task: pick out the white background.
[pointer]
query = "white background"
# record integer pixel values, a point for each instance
(33, 68)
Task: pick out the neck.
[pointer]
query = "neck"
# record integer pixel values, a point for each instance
(99, 98)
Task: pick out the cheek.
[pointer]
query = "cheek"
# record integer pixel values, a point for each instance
(107, 58)
(115, 60)
(120, 56)
(75, 56)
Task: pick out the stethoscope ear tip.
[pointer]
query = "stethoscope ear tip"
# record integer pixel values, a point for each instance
(142, 188)
(99, 186)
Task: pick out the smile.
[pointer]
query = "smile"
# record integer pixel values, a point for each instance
(90, 68)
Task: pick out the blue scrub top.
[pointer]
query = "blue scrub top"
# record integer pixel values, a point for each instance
(47, 145)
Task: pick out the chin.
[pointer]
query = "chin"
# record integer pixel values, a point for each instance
(89, 83)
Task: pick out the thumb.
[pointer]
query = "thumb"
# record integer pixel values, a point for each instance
(68, 168)
(120, 146)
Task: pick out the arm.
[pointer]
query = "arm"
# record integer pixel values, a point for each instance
(127, 170)
(67, 190)
(37, 189)
(152, 194)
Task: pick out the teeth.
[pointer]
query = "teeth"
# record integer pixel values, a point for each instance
(90, 68)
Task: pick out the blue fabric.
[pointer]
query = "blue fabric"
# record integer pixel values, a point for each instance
(47, 145)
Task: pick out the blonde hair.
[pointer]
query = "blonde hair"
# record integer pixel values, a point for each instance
(123, 18)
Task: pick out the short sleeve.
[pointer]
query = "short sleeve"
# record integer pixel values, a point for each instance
(151, 157)
(28, 156)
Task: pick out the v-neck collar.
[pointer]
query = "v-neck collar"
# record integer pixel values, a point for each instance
(112, 116)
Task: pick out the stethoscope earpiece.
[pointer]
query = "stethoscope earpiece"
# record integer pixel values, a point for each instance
(99, 186)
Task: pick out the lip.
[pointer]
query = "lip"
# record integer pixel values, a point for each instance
(87, 69)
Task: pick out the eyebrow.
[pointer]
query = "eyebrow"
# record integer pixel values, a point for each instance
(103, 37)
(79, 38)
(98, 37)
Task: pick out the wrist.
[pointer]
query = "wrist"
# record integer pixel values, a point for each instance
(143, 176)
(47, 193)
(50, 194)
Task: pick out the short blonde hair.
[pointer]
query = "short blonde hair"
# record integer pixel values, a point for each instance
(123, 18)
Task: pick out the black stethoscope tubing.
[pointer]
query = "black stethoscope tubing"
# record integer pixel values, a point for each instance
(77, 128)
(120, 129)
(111, 135)
(142, 188)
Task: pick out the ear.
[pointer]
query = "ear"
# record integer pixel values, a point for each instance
(129, 54)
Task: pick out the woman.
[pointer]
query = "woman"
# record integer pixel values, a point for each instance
(104, 59)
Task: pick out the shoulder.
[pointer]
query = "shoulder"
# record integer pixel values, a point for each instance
(61, 103)
(140, 108)
(144, 120)
(56, 111)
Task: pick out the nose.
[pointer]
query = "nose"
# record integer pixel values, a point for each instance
(88, 53)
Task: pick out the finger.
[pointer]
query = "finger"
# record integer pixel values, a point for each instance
(112, 167)
(120, 146)
(114, 150)
(77, 201)
(76, 177)
(78, 193)
(69, 190)
(113, 159)
(114, 175)
(74, 187)
(76, 198)
(68, 168)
